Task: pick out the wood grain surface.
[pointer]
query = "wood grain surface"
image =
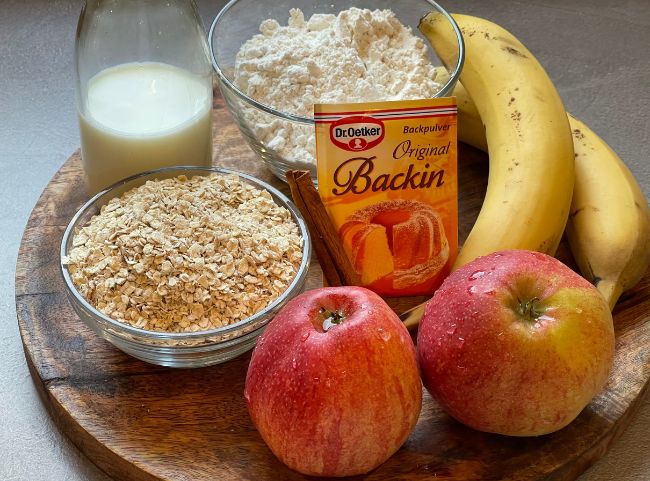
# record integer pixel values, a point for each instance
(142, 422)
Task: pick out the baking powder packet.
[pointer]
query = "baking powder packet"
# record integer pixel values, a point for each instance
(387, 175)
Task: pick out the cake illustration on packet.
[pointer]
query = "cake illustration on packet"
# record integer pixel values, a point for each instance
(401, 243)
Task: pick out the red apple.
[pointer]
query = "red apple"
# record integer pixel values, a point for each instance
(515, 343)
(333, 385)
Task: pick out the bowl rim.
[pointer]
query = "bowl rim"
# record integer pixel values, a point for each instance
(139, 333)
(444, 90)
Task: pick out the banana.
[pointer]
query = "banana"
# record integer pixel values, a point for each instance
(609, 221)
(531, 174)
(470, 126)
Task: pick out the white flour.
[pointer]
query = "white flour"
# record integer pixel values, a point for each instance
(358, 55)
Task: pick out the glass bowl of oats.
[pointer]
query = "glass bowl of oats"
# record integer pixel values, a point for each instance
(275, 60)
(184, 266)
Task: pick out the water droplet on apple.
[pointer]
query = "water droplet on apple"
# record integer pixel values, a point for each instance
(305, 336)
(472, 289)
(476, 275)
(384, 335)
(578, 311)
(294, 363)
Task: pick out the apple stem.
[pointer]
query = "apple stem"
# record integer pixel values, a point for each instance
(528, 309)
(331, 318)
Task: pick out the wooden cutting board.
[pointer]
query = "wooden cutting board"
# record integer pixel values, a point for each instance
(142, 422)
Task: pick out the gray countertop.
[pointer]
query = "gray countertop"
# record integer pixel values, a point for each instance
(596, 52)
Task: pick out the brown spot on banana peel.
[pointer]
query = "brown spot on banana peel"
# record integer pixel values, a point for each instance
(549, 245)
(581, 209)
(577, 134)
(513, 51)
(467, 32)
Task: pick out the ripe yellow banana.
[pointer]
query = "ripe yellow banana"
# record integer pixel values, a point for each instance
(609, 223)
(531, 150)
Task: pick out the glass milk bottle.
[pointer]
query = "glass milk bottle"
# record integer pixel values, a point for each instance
(144, 88)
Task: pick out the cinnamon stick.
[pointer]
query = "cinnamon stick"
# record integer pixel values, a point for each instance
(336, 265)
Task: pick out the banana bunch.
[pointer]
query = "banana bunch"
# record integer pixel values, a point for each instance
(608, 227)
(529, 141)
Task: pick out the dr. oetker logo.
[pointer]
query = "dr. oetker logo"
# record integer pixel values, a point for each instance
(357, 133)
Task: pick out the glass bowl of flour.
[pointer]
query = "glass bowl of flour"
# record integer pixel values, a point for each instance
(275, 60)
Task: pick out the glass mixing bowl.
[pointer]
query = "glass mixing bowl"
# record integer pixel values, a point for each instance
(194, 349)
(239, 21)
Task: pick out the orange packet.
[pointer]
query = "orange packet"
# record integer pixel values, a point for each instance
(387, 175)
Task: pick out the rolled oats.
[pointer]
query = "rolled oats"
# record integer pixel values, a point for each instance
(184, 255)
